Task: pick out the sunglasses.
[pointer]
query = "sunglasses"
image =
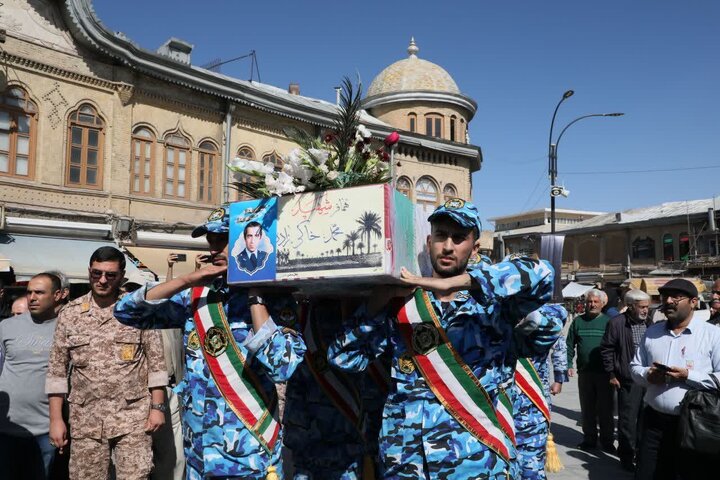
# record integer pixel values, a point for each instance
(98, 274)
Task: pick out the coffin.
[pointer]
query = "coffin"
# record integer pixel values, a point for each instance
(329, 240)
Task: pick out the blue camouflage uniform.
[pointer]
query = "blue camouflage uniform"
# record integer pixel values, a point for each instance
(420, 439)
(325, 444)
(531, 427)
(217, 444)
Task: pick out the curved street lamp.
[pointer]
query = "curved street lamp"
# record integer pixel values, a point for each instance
(552, 151)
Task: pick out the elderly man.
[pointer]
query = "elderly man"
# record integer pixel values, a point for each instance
(596, 394)
(715, 304)
(117, 381)
(19, 306)
(453, 347)
(25, 339)
(619, 344)
(675, 356)
(235, 353)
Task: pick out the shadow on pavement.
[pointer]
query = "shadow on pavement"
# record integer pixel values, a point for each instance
(599, 465)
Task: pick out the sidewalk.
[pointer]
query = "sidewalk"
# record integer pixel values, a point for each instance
(594, 465)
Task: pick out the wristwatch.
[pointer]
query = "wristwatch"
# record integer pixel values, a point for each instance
(160, 407)
(255, 300)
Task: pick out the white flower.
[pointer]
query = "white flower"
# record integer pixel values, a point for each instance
(364, 132)
(319, 156)
(323, 168)
(294, 157)
(332, 175)
(383, 165)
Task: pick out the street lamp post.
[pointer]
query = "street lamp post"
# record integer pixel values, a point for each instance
(552, 152)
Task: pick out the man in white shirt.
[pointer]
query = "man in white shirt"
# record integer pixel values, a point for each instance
(675, 356)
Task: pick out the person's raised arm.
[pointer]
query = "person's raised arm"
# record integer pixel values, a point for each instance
(194, 279)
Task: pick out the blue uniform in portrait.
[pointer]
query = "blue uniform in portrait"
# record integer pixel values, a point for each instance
(251, 262)
(217, 442)
(419, 437)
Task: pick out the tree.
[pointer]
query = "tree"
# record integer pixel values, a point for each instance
(346, 245)
(353, 237)
(338, 251)
(370, 225)
(360, 246)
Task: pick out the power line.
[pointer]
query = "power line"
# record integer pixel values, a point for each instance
(659, 170)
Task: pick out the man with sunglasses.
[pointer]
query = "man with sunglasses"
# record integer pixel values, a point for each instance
(117, 380)
(675, 356)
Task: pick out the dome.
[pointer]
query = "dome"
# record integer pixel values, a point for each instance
(412, 74)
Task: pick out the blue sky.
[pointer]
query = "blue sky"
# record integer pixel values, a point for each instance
(656, 61)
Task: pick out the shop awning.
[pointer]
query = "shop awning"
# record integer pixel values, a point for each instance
(29, 255)
(155, 258)
(575, 290)
(650, 285)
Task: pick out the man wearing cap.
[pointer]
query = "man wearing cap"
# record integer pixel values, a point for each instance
(453, 345)
(236, 349)
(675, 356)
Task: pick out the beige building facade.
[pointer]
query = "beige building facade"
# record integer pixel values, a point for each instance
(96, 130)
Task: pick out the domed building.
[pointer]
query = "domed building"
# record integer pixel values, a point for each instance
(422, 99)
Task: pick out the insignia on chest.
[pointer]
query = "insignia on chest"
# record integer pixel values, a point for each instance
(425, 338)
(85, 307)
(127, 352)
(406, 364)
(216, 341)
(461, 296)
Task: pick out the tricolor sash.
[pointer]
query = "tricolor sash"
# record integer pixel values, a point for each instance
(238, 384)
(451, 380)
(335, 384)
(529, 382)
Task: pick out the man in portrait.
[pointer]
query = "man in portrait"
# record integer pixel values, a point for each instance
(251, 258)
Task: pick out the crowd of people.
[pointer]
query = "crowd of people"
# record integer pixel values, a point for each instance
(443, 377)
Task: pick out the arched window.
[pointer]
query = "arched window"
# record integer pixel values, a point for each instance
(247, 153)
(86, 135)
(433, 125)
(208, 172)
(18, 127)
(142, 163)
(412, 122)
(668, 250)
(449, 191)
(453, 127)
(426, 191)
(684, 246)
(177, 166)
(643, 248)
(404, 186)
(274, 158)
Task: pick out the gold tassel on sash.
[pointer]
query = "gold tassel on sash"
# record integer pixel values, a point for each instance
(552, 461)
(368, 472)
(271, 474)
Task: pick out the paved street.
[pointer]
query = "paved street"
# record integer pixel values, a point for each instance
(595, 465)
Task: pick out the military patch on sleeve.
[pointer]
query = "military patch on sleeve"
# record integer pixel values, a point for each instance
(193, 341)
